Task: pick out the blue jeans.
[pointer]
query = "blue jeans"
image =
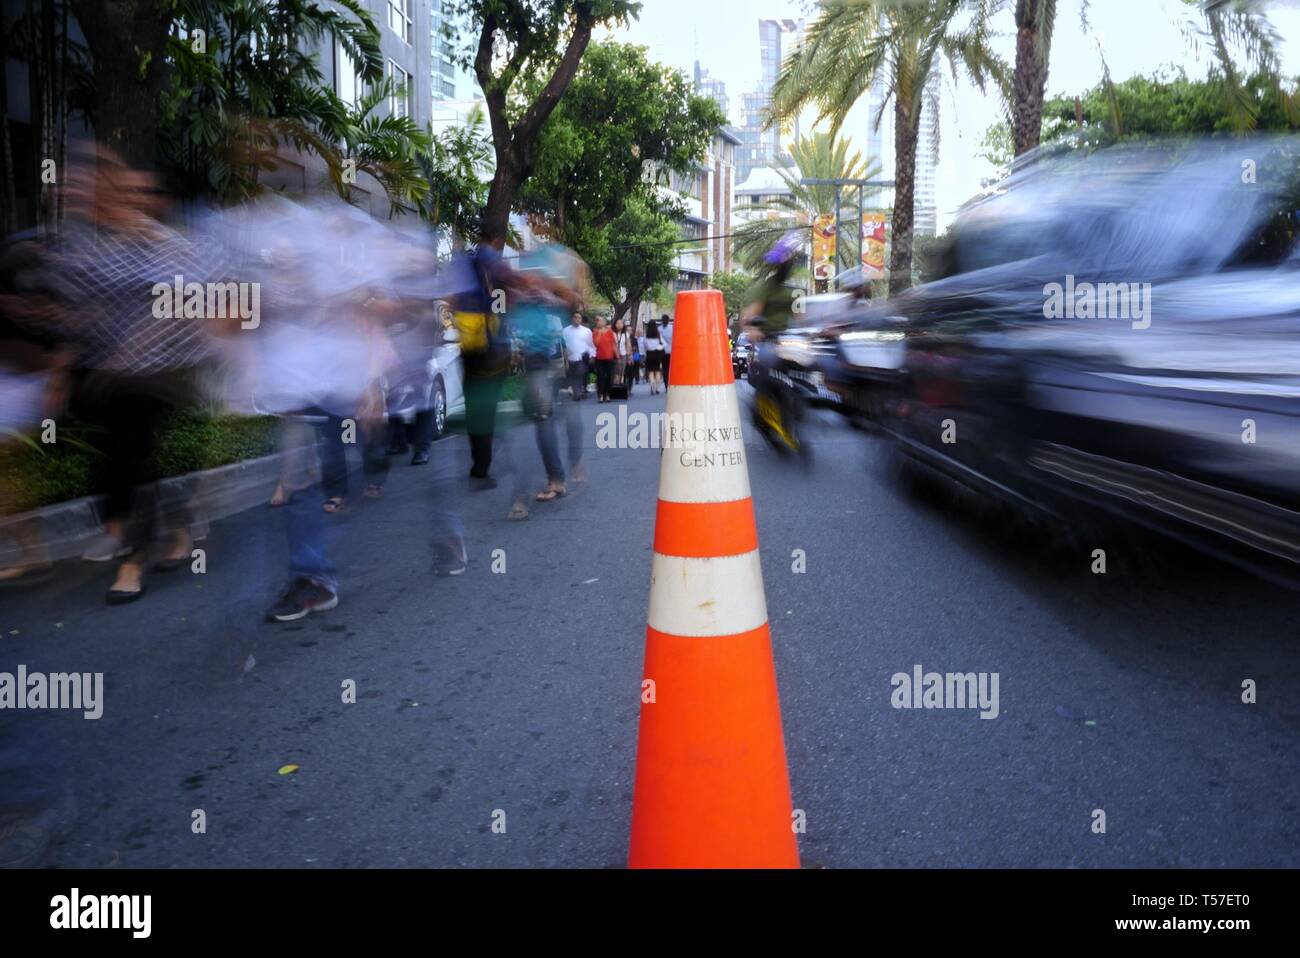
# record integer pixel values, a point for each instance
(543, 404)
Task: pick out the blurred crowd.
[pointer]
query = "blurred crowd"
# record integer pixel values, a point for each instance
(313, 313)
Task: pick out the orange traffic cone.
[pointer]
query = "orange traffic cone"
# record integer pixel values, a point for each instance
(711, 784)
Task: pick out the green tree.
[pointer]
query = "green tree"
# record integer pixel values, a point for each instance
(1167, 103)
(819, 156)
(1240, 28)
(515, 40)
(854, 41)
(998, 145)
(392, 149)
(632, 255)
(623, 126)
(242, 84)
(457, 168)
(734, 287)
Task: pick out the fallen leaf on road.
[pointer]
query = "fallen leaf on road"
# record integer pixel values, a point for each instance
(288, 769)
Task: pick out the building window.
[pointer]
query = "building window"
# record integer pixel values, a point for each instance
(347, 84)
(399, 18)
(399, 97)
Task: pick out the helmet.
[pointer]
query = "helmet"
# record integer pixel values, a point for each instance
(785, 248)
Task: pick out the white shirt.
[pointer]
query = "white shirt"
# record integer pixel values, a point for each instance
(666, 333)
(577, 342)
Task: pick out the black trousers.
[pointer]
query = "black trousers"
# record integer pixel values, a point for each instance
(604, 376)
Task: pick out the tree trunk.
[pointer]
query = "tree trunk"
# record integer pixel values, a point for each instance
(1031, 76)
(906, 128)
(501, 197)
(127, 41)
(514, 143)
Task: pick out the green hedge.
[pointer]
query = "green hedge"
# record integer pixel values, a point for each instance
(34, 475)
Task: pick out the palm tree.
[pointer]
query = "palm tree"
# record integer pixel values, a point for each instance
(389, 147)
(253, 85)
(853, 42)
(820, 156)
(1034, 22)
(458, 169)
(1242, 26)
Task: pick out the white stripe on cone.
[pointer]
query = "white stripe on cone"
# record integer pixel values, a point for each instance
(707, 597)
(703, 458)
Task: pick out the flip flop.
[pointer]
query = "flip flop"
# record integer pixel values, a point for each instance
(518, 513)
(336, 504)
(549, 495)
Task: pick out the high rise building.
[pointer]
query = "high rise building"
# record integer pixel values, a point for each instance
(759, 147)
(880, 149)
(712, 88)
(447, 81)
(925, 207)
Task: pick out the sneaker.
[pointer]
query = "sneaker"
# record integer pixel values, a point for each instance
(301, 599)
(449, 557)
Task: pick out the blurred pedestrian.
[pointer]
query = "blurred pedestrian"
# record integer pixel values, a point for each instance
(485, 350)
(556, 284)
(136, 352)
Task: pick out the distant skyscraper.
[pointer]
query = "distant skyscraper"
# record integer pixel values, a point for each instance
(760, 147)
(925, 206)
(713, 88)
(880, 149)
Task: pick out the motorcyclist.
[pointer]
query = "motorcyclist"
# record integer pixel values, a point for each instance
(777, 407)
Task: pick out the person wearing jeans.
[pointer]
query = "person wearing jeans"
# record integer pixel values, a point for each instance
(313, 580)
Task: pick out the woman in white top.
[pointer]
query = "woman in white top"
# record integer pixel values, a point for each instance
(622, 354)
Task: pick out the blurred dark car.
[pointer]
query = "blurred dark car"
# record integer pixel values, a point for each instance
(742, 354)
(1167, 394)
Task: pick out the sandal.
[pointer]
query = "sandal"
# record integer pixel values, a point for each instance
(518, 512)
(550, 495)
(335, 505)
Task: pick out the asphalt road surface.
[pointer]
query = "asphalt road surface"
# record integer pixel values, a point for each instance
(519, 691)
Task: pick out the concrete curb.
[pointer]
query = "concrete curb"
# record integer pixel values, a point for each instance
(65, 529)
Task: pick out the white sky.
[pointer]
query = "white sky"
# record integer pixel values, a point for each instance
(1137, 37)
